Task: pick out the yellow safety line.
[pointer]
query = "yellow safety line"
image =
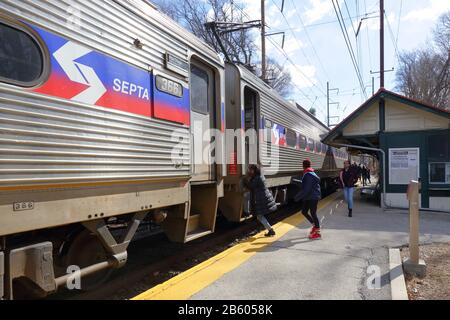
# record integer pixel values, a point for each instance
(190, 282)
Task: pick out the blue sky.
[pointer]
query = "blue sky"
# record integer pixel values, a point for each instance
(317, 51)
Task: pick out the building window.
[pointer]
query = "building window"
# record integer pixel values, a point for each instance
(440, 173)
(21, 57)
(439, 148)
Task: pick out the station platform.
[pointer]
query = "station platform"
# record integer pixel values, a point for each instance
(292, 267)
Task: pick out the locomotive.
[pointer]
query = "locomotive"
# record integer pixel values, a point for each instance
(113, 116)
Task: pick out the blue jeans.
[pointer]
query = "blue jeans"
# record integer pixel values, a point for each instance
(264, 222)
(348, 194)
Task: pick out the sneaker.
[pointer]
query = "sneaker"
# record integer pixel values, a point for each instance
(271, 233)
(316, 235)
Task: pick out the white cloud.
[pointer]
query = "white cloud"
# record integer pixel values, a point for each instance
(303, 76)
(319, 10)
(292, 45)
(431, 12)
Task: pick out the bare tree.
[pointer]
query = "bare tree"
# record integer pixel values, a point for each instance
(193, 14)
(279, 78)
(240, 46)
(424, 74)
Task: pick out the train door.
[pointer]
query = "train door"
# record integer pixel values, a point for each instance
(202, 90)
(251, 123)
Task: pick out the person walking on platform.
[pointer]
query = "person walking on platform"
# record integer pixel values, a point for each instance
(310, 195)
(348, 179)
(262, 201)
(364, 176)
(368, 176)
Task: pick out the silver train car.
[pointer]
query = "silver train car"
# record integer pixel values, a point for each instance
(288, 134)
(100, 108)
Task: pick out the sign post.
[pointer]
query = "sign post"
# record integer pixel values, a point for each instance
(414, 265)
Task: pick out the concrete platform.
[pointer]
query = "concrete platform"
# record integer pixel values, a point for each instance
(293, 267)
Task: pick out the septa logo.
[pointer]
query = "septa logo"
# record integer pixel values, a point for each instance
(80, 73)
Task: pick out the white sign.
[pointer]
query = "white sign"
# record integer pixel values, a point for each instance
(404, 165)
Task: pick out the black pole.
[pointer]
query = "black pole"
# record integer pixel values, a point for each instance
(263, 40)
(328, 104)
(382, 43)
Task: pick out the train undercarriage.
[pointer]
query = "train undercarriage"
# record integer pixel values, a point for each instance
(82, 256)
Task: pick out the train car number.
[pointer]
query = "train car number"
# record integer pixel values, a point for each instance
(23, 206)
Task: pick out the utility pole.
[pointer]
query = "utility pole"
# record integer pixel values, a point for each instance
(382, 43)
(263, 40)
(329, 103)
(373, 86)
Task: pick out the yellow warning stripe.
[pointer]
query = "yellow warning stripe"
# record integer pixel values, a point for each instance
(192, 281)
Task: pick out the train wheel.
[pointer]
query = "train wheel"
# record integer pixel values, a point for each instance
(86, 250)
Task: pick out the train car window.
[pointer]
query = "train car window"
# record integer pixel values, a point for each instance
(21, 57)
(302, 142)
(318, 147)
(311, 145)
(291, 138)
(268, 130)
(199, 90)
(250, 105)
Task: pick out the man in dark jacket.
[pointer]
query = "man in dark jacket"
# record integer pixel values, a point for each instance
(310, 195)
(262, 201)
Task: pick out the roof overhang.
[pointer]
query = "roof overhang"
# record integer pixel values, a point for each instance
(337, 136)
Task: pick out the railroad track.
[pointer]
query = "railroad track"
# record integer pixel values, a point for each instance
(154, 260)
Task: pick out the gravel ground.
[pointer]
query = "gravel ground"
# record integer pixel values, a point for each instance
(436, 284)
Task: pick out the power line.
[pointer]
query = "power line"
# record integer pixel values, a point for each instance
(349, 45)
(368, 39)
(399, 22)
(288, 59)
(392, 37)
(298, 43)
(327, 22)
(348, 12)
(309, 38)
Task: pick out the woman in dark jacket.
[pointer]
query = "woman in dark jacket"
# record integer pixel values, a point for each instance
(310, 195)
(262, 201)
(348, 179)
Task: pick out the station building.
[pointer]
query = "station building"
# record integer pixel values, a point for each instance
(415, 141)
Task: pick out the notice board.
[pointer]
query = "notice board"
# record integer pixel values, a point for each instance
(404, 165)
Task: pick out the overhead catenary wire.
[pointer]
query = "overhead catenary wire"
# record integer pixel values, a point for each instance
(299, 44)
(310, 41)
(399, 22)
(392, 38)
(312, 25)
(351, 50)
(284, 53)
(368, 40)
(349, 45)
